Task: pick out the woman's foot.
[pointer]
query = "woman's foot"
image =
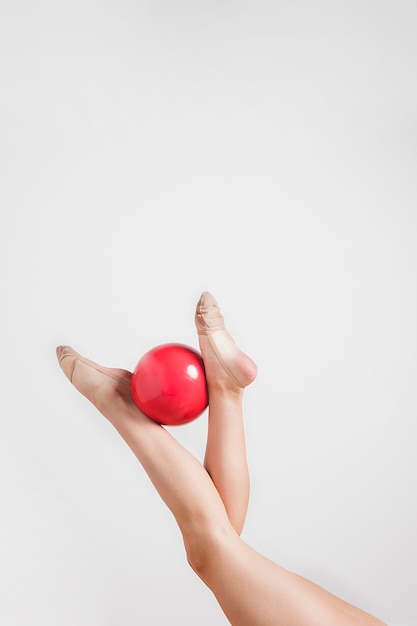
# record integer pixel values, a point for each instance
(227, 367)
(98, 384)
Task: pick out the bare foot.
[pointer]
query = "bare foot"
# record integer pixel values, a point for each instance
(227, 367)
(98, 384)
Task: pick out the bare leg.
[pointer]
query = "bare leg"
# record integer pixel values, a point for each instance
(252, 590)
(166, 462)
(228, 372)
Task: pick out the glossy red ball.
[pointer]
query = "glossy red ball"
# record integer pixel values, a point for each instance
(169, 384)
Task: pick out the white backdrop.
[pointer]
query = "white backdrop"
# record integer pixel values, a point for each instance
(265, 151)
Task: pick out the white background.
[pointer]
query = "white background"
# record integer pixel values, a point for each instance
(265, 151)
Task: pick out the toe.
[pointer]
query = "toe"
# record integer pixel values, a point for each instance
(65, 351)
(208, 317)
(67, 364)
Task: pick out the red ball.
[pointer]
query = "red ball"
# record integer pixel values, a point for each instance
(169, 384)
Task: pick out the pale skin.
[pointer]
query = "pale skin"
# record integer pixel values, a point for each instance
(210, 507)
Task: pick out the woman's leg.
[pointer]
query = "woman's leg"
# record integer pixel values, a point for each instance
(182, 482)
(225, 458)
(228, 372)
(252, 590)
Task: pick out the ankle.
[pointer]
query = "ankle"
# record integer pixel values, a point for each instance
(108, 399)
(227, 396)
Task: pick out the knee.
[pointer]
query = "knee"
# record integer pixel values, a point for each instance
(204, 546)
(199, 551)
